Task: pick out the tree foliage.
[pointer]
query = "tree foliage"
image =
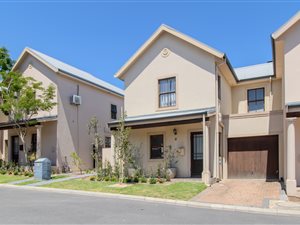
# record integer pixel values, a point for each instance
(123, 148)
(6, 63)
(22, 98)
(97, 142)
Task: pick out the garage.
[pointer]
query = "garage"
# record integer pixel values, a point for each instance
(253, 157)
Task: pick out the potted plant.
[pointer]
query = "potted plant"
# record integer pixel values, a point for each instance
(170, 158)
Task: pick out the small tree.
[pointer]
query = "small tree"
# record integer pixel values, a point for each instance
(77, 161)
(97, 142)
(22, 98)
(123, 148)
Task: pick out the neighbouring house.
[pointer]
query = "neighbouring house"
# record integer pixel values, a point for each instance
(79, 97)
(224, 123)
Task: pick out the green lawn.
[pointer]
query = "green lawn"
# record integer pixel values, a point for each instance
(10, 178)
(178, 190)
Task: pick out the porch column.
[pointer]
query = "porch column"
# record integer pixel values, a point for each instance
(291, 183)
(206, 173)
(38, 141)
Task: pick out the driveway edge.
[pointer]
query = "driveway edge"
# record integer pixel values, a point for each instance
(256, 210)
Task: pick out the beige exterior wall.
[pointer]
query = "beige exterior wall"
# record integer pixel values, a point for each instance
(73, 120)
(140, 138)
(226, 97)
(48, 144)
(193, 68)
(31, 67)
(273, 99)
(70, 132)
(291, 45)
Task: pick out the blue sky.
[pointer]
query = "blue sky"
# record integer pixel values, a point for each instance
(99, 37)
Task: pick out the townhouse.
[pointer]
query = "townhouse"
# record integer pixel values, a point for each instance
(56, 134)
(223, 123)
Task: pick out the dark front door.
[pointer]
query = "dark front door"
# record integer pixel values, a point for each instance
(15, 148)
(253, 157)
(196, 153)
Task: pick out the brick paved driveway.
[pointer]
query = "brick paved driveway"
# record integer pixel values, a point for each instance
(241, 192)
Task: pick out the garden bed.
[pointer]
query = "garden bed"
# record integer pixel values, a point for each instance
(168, 190)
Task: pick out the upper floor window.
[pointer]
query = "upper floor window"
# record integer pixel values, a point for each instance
(219, 87)
(256, 100)
(113, 111)
(167, 92)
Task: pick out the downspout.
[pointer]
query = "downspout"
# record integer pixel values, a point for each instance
(216, 150)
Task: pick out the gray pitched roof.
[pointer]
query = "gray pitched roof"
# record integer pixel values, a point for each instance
(255, 71)
(77, 73)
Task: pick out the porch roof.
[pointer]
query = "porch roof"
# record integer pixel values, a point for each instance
(35, 121)
(164, 119)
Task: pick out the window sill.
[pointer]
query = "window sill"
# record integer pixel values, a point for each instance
(166, 108)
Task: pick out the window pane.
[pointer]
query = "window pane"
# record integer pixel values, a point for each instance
(260, 94)
(156, 146)
(260, 106)
(172, 84)
(172, 99)
(198, 147)
(164, 86)
(256, 106)
(251, 95)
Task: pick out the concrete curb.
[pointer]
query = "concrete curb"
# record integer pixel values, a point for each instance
(254, 210)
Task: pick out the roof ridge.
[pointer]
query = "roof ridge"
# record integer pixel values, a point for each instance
(76, 72)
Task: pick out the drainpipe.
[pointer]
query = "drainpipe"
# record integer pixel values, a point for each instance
(216, 150)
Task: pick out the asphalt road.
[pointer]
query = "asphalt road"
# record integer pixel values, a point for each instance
(19, 206)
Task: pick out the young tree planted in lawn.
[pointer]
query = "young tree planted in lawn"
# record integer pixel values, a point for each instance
(21, 99)
(123, 148)
(97, 143)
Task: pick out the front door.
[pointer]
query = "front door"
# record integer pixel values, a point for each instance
(15, 148)
(196, 153)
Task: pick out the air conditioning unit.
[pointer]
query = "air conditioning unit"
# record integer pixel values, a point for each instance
(76, 100)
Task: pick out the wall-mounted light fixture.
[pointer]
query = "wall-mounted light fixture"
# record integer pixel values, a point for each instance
(175, 131)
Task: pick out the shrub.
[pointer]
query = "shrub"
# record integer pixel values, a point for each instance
(92, 178)
(2, 171)
(143, 179)
(168, 178)
(16, 172)
(161, 180)
(126, 180)
(136, 179)
(114, 179)
(30, 174)
(152, 180)
(107, 178)
(26, 173)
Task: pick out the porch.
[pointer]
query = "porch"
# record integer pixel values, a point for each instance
(40, 141)
(189, 134)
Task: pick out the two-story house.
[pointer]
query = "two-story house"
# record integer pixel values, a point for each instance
(224, 123)
(56, 134)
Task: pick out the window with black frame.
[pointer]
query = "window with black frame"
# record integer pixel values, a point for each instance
(113, 110)
(107, 142)
(156, 146)
(167, 92)
(256, 100)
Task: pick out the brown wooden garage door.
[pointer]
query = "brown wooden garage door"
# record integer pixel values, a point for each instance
(253, 157)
